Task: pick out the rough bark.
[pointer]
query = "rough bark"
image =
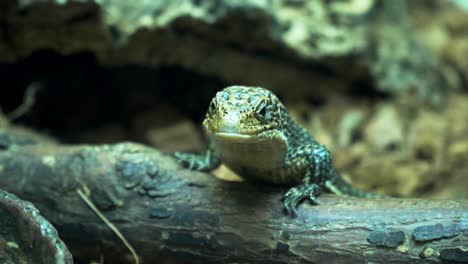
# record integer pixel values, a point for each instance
(173, 215)
(26, 236)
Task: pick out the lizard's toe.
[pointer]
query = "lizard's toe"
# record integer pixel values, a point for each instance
(296, 195)
(314, 191)
(183, 158)
(291, 200)
(192, 161)
(313, 199)
(290, 203)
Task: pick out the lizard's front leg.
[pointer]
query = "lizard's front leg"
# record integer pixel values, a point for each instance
(315, 164)
(199, 162)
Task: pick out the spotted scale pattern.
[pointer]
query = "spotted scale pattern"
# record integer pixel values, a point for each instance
(252, 133)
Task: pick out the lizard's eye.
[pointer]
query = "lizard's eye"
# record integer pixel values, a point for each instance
(212, 106)
(261, 111)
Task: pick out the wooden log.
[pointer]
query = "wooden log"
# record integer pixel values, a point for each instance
(171, 215)
(26, 237)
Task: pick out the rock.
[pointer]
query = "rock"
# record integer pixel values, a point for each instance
(427, 137)
(166, 128)
(348, 126)
(296, 48)
(457, 154)
(409, 178)
(385, 129)
(456, 115)
(445, 34)
(391, 176)
(108, 133)
(182, 136)
(350, 157)
(154, 118)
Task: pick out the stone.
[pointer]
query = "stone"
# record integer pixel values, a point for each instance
(385, 129)
(181, 136)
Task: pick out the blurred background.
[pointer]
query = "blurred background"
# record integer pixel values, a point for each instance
(382, 83)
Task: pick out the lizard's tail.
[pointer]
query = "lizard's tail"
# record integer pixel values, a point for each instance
(337, 185)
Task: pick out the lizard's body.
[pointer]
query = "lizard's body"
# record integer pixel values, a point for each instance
(252, 133)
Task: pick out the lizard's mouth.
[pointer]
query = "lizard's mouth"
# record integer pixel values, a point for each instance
(235, 137)
(240, 138)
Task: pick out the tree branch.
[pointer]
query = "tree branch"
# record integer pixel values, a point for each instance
(171, 214)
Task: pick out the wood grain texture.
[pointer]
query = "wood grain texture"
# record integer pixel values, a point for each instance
(171, 215)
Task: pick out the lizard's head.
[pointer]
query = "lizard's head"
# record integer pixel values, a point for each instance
(242, 113)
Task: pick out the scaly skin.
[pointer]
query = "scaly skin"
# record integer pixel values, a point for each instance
(252, 133)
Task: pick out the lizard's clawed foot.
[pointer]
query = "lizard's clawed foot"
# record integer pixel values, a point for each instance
(296, 194)
(193, 161)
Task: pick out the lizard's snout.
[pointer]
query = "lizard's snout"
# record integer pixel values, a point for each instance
(229, 124)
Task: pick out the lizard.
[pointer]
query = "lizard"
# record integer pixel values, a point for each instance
(252, 133)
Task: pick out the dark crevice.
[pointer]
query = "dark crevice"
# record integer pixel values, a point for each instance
(366, 89)
(78, 94)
